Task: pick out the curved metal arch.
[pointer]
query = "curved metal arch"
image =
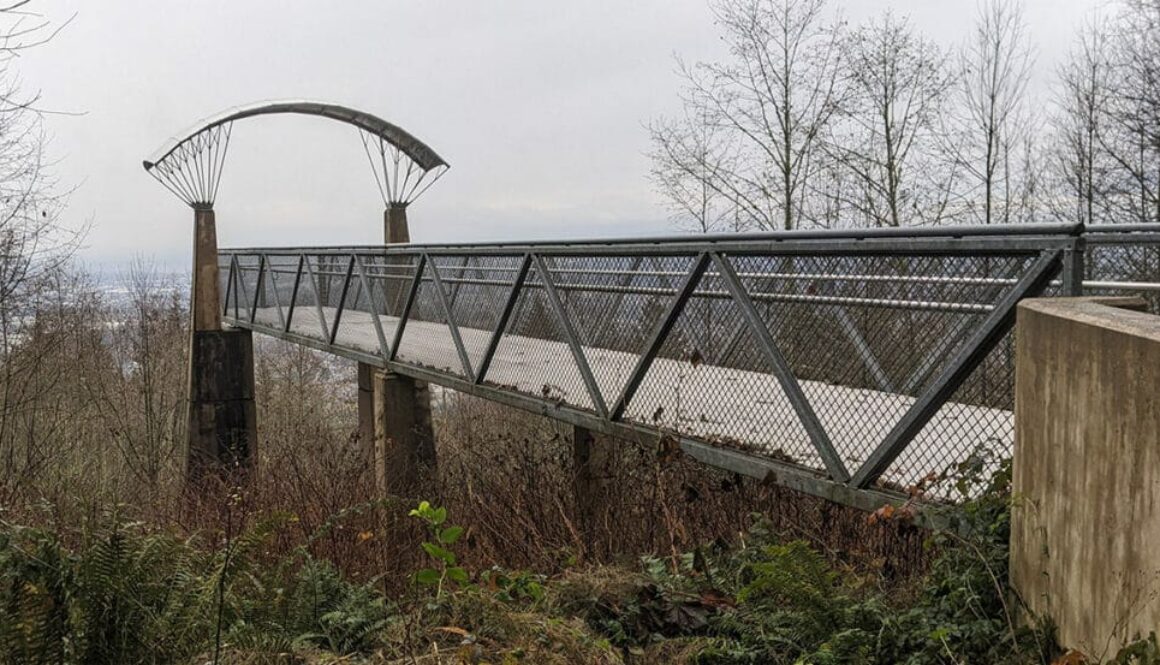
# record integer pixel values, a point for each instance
(419, 152)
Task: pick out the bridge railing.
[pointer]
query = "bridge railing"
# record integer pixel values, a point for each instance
(837, 361)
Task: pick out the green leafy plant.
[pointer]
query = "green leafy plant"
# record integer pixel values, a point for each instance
(1141, 652)
(513, 586)
(445, 568)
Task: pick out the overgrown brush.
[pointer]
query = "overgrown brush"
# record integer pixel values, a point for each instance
(122, 592)
(128, 594)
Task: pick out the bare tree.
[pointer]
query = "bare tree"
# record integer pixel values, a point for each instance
(765, 109)
(1131, 133)
(139, 399)
(993, 121)
(32, 242)
(1079, 162)
(687, 156)
(33, 249)
(887, 140)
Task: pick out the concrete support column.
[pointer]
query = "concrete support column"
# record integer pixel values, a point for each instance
(366, 408)
(399, 407)
(395, 230)
(404, 451)
(591, 466)
(222, 419)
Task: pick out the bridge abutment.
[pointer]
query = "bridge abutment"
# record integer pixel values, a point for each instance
(1085, 528)
(222, 417)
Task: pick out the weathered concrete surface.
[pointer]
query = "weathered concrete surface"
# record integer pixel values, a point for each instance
(1086, 528)
(366, 407)
(222, 416)
(205, 302)
(592, 467)
(403, 448)
(395, 230)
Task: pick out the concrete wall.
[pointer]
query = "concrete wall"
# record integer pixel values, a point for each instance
(1086, 527)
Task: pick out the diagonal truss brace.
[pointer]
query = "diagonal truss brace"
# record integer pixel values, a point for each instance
(970, 355)
(405, 315)
(364, 284)
(294, 293)
(317, 297)
(445, 304)
(230, 291)
(659, 335)
(342, 299)
(570, 334)
(505, 315)
(274, 292)
(782, 370)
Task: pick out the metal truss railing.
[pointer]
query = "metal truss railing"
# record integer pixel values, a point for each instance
(842, 363)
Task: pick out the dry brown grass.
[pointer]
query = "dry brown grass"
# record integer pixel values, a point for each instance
(504, 474)
(509, 476)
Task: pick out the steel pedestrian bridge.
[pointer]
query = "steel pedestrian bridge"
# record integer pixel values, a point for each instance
(841, 363)
(857, 365)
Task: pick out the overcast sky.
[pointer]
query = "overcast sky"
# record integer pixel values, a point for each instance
(539, 106)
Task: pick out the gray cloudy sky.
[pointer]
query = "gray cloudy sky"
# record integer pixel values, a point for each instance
(538, 106)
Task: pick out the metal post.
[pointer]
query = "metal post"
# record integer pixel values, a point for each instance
(1072, 274)
(222, 419)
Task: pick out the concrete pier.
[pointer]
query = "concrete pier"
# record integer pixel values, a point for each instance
(404, 449)
(222, 422)
(396, 410)
(591, 466)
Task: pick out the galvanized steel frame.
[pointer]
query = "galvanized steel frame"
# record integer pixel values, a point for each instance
(1056, 252)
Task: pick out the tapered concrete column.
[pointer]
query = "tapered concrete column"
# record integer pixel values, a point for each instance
(402, 454)
(399, 406)
(205, 303)
(222, 420)
(591, 466)
(395, 230)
